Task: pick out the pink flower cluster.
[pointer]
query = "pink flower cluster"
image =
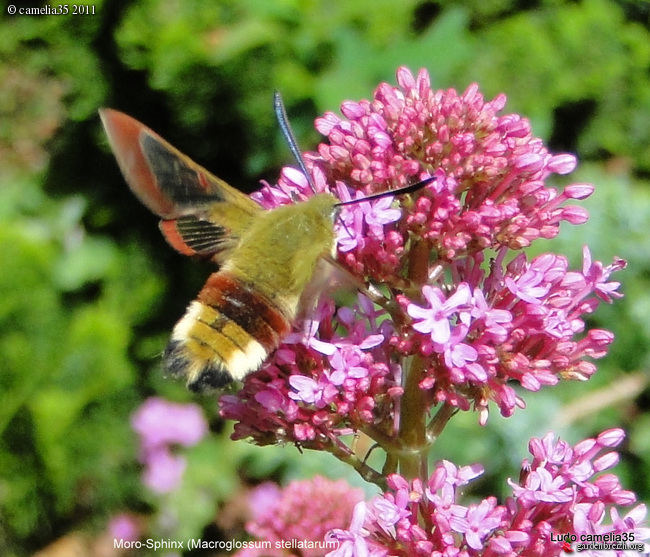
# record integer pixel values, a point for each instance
(161, 425)
(490, 190)
(466, 312)
(560, 492)
(519, 322)
(304, 511)
(351, 383)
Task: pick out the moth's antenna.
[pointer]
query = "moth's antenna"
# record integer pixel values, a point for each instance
(398, 191)
(283, 120)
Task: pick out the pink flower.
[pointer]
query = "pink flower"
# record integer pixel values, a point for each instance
(542, 486)
(527, 287)
(160, 422)
(124, 527)
(164, 470)
(352, 541)
(160, 425)
(477, 522)
(435, 320)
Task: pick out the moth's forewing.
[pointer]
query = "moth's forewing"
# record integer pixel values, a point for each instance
(268, 258)
(201, 213)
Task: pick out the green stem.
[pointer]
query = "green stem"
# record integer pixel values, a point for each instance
(366, 472)
(435, 427)
(412, 433)
(412, 428)
(418, 266)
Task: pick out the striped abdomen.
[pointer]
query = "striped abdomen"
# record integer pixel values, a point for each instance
(226, 333)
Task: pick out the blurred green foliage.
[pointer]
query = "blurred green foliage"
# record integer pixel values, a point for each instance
(89, 290)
